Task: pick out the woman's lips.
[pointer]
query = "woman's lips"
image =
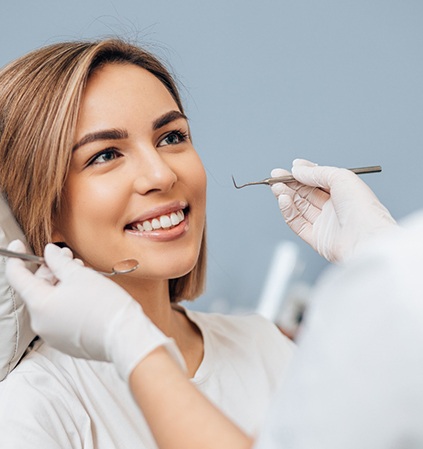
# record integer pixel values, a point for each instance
(164, 227)
(165, 221)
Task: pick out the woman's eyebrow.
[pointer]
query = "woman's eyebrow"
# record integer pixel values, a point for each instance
(116, 134)
(167, 118)
(107, 134)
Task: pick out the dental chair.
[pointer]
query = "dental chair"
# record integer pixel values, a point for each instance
(15, 331)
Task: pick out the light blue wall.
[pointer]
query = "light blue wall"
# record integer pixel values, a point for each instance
(338, 82)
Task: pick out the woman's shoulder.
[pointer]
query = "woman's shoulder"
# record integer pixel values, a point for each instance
(249, 322)
(46, 376)
(39, 377)
(37, 404)
(244, 346)
(242, 328)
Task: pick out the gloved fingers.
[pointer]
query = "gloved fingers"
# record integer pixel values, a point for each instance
(72, 271)
(294, 218)
(348, 193)
(323, 176)
(307, 201)
(303, 162)
(327, 177)
(45, 273)
(23, 280)
(276, 172)
(287, 207)
(281, 188)
(66, 251)
(316, 197)
(307, 209)
(17, 246)
(60, 261)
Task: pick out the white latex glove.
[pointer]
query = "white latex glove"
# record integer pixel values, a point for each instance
(84, 314)
(330, 208)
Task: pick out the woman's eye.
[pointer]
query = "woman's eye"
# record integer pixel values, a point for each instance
(103, 157)
(173, 138)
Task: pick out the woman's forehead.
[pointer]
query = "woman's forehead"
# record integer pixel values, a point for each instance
(121, 92)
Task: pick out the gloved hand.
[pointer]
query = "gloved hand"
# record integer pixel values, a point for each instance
(330, 208)
(84, 314)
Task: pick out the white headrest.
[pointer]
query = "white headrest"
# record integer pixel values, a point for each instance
(15, 331)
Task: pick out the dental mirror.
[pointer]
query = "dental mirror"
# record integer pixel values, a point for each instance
(123, 267)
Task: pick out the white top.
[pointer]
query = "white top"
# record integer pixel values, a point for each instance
(357, 378)
(52, 400)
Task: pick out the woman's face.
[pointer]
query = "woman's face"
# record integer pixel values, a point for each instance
(136, 186)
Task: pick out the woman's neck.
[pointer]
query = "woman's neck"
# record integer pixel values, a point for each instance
(153, 296)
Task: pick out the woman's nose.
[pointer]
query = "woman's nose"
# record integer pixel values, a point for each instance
(154, 174)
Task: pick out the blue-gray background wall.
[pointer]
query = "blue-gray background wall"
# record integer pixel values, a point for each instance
(338, 82)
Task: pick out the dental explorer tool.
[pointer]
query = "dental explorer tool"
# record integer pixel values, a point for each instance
(290, 178)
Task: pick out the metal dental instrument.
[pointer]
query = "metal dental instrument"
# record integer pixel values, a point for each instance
(290, 178)
(123, 267)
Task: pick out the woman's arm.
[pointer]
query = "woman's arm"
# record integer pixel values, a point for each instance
(177, 413)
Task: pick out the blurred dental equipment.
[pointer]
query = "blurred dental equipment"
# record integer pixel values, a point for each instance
(281, 271)
(290, 178)
(123, 267)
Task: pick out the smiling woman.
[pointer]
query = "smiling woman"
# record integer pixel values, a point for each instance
(96, 154)
(133, 165)
(55, 82)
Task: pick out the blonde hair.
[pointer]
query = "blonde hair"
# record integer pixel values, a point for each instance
(40, 96)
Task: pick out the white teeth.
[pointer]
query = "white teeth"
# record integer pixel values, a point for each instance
(174, 219)
(163, 222)
(147, 226)
(156, 223)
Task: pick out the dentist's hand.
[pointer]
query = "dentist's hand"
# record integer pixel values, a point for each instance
(330, 208)
(84, 314)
